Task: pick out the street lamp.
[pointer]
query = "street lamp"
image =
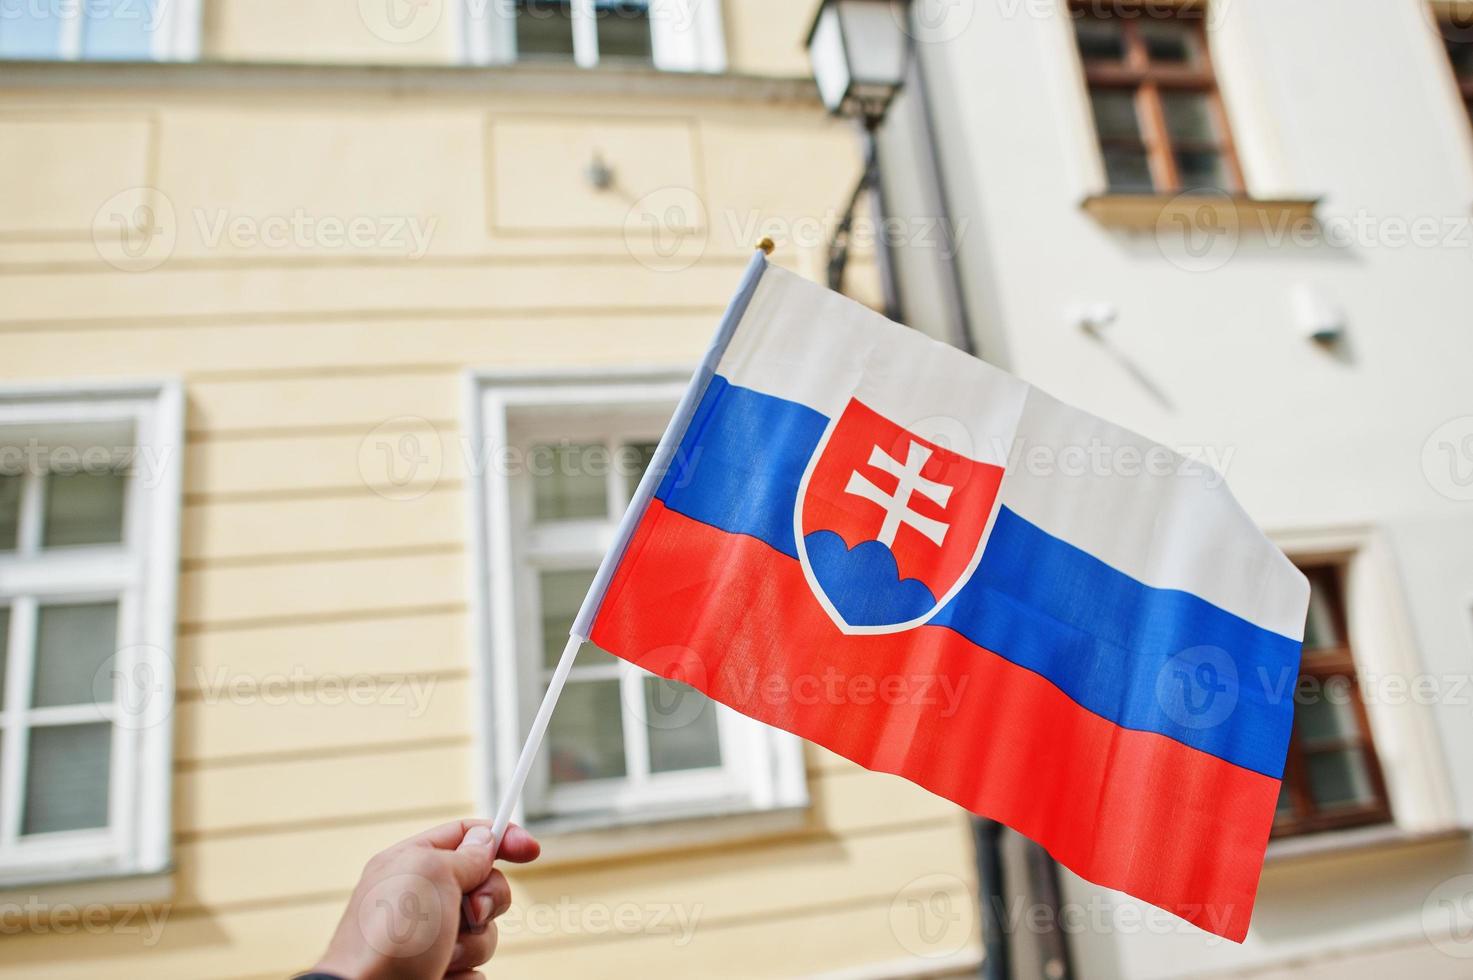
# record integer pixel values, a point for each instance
(858, 49)
(860, 55)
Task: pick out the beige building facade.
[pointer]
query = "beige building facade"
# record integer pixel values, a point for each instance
(321, 282)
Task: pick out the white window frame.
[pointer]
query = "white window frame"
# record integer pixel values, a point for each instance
(1411, 752)
(142, 574)
(176, 39)
(685, 35)
(763, 769)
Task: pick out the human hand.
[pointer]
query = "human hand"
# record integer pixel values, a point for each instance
(403, 921)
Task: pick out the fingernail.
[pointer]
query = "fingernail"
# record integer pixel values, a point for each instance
(477, 836)
(482, 908)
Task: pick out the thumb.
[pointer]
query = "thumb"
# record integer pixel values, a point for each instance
(471, 861)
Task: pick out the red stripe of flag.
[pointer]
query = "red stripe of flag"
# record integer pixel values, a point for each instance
(1131, 810)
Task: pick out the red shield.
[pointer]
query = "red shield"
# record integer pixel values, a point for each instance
(889, 524)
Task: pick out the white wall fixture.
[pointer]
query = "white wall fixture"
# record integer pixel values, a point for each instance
(1316, 316)
(1093, 318)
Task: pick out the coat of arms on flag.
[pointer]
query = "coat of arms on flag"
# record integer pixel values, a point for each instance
(889, 523)
(849, 498)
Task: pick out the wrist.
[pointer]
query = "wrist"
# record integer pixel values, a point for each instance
(333, 966)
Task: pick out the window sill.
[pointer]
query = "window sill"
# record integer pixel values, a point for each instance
(574, 840)
(91, 888)
(1339, 843)
(1148, 212)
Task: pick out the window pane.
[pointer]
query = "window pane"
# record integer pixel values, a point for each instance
(569, 482)
(682, 727)
(1115, 116)
(1461, 54)
(634, 459)
(1170, 42)
(30, 30)
(1324, 718)
(587, 733)
(84, 508)
(1201, 170)
(4, 649)
(562, 594)
(1339, 779)
(1285, 806)
(544, 28)
(9, 511)
(1321, 631)
(67, 777)
(623, 30)
(72, 645)
(1189, 117)
(1099, 40)
(1128, 170)
(119, 30)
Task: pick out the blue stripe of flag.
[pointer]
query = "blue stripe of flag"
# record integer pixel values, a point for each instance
(1159, 660)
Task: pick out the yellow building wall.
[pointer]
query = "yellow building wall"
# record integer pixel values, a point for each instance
(296, 566)
(763, 37)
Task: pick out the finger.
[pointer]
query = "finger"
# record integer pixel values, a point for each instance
(491, 899)
(466, 975)
(472, 949)
(518, 846)
(447, 836)
(471, 861)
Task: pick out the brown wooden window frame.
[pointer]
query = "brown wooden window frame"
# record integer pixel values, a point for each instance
(1325, 665)
(1148, 80)
(1455, 35)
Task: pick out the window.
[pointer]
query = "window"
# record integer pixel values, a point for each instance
(89, 513)
(1157, 112)
(561, 462)
(1332, 778)
(1458, 37)
(102, 30)
(677, 35)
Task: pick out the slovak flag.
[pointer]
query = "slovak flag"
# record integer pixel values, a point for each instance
(899, 552)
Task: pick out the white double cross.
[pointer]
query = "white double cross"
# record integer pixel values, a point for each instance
(897, 505)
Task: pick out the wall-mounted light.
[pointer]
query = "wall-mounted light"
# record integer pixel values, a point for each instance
(600, 175)
(858, 50)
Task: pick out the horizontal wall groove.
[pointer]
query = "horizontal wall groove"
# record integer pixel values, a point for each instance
(245, 262)
(346, 491)
(431, 815)
(312, 683)
(319, 752)
(419, 314)
(612, 83)
(303, 431)
(316, 557)
(316, 619)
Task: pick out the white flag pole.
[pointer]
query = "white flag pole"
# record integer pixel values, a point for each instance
(655, 472)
